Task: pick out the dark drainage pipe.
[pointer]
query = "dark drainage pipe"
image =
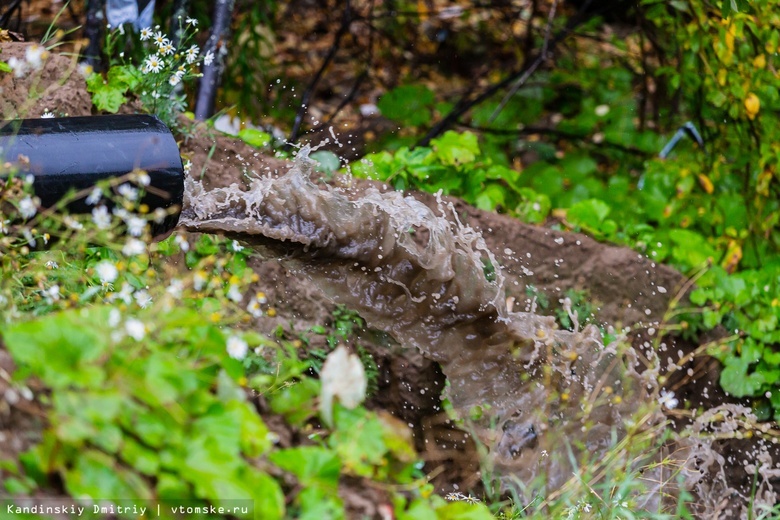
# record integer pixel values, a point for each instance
(77, 152)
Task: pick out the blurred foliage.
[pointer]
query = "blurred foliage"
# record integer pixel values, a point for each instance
(140, 359)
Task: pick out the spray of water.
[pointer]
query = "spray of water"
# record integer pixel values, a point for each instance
(541, 400)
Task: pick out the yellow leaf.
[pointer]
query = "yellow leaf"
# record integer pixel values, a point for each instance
(722, 76)
(759, 61)
(706, 183)
(731, 32)
(752, 105)
(733, 256)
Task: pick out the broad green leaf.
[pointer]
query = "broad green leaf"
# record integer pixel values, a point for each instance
(456, 148)
(255, 138)
(588, 214)
(408, 104)
(327, 162)
(313, 465)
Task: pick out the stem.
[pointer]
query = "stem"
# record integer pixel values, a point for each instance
(346, 21)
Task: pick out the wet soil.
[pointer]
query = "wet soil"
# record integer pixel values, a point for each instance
(58, 87)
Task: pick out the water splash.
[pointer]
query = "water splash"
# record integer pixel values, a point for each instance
(540, 399)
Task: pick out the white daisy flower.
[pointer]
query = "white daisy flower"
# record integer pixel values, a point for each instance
(191, 21)
(114, 316)
(668, 400)
(146, 33)
(135, 329)
(18, 66)
(35, 55)
(27, 208)
(94, 196)
(106, 271)
(182, 243)
(153, 64)
(160, 39)
(135, 226)
(208, 59)
(128, 192)
(191, 54)
(134, 247)
(142, 298)
(237, 347)
(167, 49)
(101, 217)
(234, 293)
(175, 288)
(47, 115)
(53, 293)
(143, 179)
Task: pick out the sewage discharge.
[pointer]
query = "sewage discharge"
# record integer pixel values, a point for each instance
(543, 401)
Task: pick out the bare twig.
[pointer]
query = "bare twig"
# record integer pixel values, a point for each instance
(466, 103)
(346, 21)
(530, 130)
(358, 81)
(535, 65)
(14, 6)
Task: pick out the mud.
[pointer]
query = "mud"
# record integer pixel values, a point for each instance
(421, 278)
(58, 87)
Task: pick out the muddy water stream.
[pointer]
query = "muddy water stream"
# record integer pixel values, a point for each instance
(540, 399)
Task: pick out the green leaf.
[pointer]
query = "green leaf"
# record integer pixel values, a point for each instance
(96, 475)
(313, 465)
(358, 440)
(123, 76)
(255, 138)
(736, 381)
(104, 95)
(409, 104)
(327, 162)
(297, 402)
(317, 504)
(139, 457)
(589, 214)
(4, 67)
(62, 348)
(455, 148)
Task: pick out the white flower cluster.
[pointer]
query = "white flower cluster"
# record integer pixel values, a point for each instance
(156, 62)
(34, 56)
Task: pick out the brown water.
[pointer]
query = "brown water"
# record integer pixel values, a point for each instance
(540, 399)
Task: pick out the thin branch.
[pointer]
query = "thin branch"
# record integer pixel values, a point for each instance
(346, 21)
(358, 81)
(530, 130)
(541, 59)
(465, 104)
(15, 4)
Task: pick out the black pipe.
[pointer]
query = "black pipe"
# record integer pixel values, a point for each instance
(77, 152)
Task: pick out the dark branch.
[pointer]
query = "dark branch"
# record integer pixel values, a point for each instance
(465, 104)
(346, 21)
(531, 130)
